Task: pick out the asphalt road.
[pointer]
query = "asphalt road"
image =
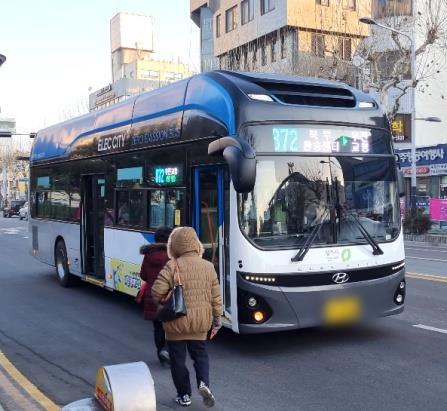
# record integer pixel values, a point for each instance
(58, 338)
(426, 258)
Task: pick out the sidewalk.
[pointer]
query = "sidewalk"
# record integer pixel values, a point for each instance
(427, 238)
(19, 394)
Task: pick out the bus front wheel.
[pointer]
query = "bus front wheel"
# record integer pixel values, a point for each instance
(61, 262)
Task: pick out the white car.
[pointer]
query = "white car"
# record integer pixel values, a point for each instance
(23, 212)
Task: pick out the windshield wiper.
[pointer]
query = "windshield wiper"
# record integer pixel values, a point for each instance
(313, 234)
(376, 249)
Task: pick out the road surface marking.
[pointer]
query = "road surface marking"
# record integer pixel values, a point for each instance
(429, 259)
(30, 388)
(427, 327)
(429, 277)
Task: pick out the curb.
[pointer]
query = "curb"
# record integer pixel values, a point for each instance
(426, 238)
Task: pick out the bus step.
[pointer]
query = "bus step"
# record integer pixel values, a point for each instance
(226, 322)
(94, 280)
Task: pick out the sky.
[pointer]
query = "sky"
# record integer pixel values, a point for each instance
(57, 49)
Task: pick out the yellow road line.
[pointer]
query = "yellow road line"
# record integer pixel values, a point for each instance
(429, 277)
(30, 388)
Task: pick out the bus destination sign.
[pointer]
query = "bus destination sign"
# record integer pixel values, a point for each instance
(170, 175)
(320, 140)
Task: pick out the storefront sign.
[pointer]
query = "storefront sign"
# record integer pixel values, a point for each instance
(430, 161)
(438, 209)
(401, 128)
(431, 170)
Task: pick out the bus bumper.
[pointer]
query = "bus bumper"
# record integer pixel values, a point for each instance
(288, 308)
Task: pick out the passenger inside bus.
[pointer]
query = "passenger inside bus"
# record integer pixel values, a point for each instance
(123, 213)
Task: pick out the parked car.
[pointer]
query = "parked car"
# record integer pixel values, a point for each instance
(13, 209)
(23, 212)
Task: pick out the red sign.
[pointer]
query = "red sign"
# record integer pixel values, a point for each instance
(438, 209)
(419, 171)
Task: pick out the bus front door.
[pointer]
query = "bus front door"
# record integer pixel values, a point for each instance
(210, 220)
(92, 225)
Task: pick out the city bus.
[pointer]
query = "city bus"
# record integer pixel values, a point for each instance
(290, 183)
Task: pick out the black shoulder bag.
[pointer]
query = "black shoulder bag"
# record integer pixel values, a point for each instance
(174, 305)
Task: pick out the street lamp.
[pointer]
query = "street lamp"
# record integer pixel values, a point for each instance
(372, 22)
(430, 119)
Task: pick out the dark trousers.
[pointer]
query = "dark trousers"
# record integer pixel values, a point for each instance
(159, 336)
(180, 374)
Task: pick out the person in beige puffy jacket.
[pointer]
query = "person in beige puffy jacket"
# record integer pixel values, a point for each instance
(203, 305)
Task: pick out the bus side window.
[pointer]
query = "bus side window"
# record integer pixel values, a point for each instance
(129, 206)
(165, 208)
(43, 204)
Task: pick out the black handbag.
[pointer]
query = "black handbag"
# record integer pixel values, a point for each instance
(174, 303)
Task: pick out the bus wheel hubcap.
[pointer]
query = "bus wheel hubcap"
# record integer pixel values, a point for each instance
(60, 265)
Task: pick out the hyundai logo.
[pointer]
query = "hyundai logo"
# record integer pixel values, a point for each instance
(340, 278)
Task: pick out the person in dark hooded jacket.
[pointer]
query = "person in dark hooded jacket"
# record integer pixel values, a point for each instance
(155, 257)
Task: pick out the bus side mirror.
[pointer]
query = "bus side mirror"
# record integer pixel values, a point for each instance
(401, 183)
(241, 160)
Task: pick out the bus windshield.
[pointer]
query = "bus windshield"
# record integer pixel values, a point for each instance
(294, 193)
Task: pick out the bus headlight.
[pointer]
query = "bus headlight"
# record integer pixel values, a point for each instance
(252, 302)
(399, 295)
(252, 308)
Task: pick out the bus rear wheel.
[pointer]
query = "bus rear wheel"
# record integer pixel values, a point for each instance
(61, 262)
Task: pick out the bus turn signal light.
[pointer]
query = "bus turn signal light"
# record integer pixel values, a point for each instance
(258, 316)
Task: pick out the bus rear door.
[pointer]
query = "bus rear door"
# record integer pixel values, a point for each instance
(92, 225)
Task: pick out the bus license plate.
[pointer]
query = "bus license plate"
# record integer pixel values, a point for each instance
(342, 310)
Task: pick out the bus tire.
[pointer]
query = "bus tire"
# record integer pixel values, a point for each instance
(61, 262)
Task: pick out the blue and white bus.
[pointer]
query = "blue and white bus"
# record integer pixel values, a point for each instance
(291, 184)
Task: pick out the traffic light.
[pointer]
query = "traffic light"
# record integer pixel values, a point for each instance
(5, 134)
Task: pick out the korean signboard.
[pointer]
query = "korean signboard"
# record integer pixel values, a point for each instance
(401, 128)
(430, 161)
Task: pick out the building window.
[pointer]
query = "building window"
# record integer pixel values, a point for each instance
(230, 19)
(391, 8)
(247, 11)
(344, 48)
(349, 4)
(323, 3)
(273, 50)
(283, 47)
(267, 5)
(218, 25)
(318, 45)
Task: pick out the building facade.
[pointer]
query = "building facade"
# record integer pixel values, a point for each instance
(305, 37)
(429, 95)
(139, 76)
(431, 72)
(14, 173)
(134, 68)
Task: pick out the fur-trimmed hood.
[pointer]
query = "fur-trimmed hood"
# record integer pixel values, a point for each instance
(146, 248)
(184, 240)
